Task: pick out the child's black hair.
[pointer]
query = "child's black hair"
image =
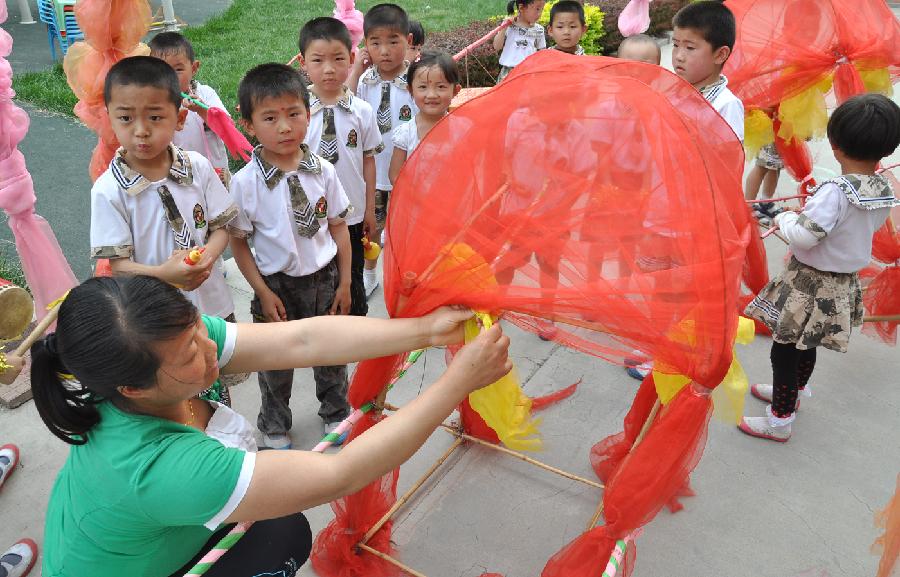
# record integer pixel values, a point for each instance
(568, 7)
(324, 28)
(866, 127)
(388, 16)
(171, 43)
(418, 32)
(513, 4)
(711, 19)
(269, 81)
(434, 58)
(143, 71)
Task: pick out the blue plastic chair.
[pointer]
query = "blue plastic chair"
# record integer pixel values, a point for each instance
(73, 32)
(47, 15)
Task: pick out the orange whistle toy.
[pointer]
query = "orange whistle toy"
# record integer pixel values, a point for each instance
(194, 256)
(371, 250)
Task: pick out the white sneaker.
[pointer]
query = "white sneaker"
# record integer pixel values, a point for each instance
(18, 560)
(370, 283)
(763, 392)
(769, 427)
(276, 441)
(9, 458)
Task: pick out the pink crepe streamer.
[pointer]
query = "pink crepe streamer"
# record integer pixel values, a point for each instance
(46, 269)
(468, 49)
(635, 18)
(346, 12)
(236, 143)
(344, 427)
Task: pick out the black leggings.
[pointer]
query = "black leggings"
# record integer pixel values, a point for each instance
(274, 548)
(791, 369)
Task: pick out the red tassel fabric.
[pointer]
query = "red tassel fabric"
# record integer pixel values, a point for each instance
(222, 124)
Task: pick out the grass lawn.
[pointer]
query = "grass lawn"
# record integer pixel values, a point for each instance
(251, 32)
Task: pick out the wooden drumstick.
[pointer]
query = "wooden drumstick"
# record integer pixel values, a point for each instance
(39, 330)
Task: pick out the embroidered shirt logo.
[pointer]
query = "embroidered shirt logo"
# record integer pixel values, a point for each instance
(352, 139)
(199, 217)
(321, 207)
(405, 113)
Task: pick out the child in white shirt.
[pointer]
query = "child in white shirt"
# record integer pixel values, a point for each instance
(523, 37)
(156, 202)
(195, 135)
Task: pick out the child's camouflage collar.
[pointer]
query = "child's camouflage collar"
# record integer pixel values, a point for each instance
(134, 183)
(272, 174)
(315, 104)
(579, 50)
(867, 191)
(373, 77)
(711, 91)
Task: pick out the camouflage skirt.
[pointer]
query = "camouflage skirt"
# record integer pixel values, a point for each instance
(809, 308)
(769, 158)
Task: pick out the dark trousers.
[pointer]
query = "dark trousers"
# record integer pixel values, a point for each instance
(275, 547)
(358, 306)
(303, 297)
(791, 370)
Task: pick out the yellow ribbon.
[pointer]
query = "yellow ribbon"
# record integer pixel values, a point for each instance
(728, 397)
(503, 405)
(58, 301)
(4, 366)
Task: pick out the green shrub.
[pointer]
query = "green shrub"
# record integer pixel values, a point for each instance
(10, 268)
(593, 17)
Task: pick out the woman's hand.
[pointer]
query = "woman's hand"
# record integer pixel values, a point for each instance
(446, 325)
(483, 361)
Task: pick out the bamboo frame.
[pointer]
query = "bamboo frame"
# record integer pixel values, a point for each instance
(882, 319)
(391, 560)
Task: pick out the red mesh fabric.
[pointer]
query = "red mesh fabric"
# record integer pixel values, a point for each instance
(787, 46)
(882, 284)
(604, 195)
(797, 160)
(222, 124)
(334, 553)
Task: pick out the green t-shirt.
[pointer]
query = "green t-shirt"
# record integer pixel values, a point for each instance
(135, 498)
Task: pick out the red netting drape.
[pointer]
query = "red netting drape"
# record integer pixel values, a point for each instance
(601, 194)
(882, 280)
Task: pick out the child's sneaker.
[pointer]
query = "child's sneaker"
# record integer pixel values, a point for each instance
(640, 371)
(280, 442)
(763, 392)
(329, 428)
(370, 282)
(9, 458)
(769, 427)
(18, 560)
(762, 216)
(546, 330)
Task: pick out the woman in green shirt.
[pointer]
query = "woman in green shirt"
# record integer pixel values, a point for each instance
(144, 490)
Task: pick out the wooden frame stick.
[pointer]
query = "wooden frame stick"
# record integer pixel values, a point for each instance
(38, 331)
(391, 560)
(520, 456)
(646, 427)
(882, 319)
(408, 495)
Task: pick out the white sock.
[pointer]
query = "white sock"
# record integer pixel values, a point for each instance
(370, 274)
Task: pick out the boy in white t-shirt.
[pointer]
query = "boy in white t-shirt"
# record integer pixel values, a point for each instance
(343, 131)
(383, 86)
(195, 135)
(702, 42)
(292, 206)
(156, 202)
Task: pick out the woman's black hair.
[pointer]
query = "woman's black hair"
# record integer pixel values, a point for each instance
(513, 4)
(432, 58)
(866, 127)
(104, 339)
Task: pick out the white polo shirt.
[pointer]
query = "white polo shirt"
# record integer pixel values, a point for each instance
(726, 104)
(357, 137)
(403, 108)
(287, 240)
(129, 219)
(521, 43)
(406, 137)
(196, 136)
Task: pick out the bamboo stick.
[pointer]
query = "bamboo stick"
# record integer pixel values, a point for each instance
(521, 457)
(882, 319)
(391, 560)
(643, 432)
(776, 199)
(408, 495)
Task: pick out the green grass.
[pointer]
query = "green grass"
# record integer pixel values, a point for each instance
(10, 269)
(251, 32)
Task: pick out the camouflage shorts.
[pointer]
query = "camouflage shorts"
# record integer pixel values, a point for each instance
(809, 307)
(381, 209)
(769, 158)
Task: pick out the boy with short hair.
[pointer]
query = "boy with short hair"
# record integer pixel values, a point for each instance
(383, 86)
(417, 41)
(342, 129)
(640, 48)
(292, 206)
(567, 26)
(702, 42)
(156, 202)
(177, 52)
